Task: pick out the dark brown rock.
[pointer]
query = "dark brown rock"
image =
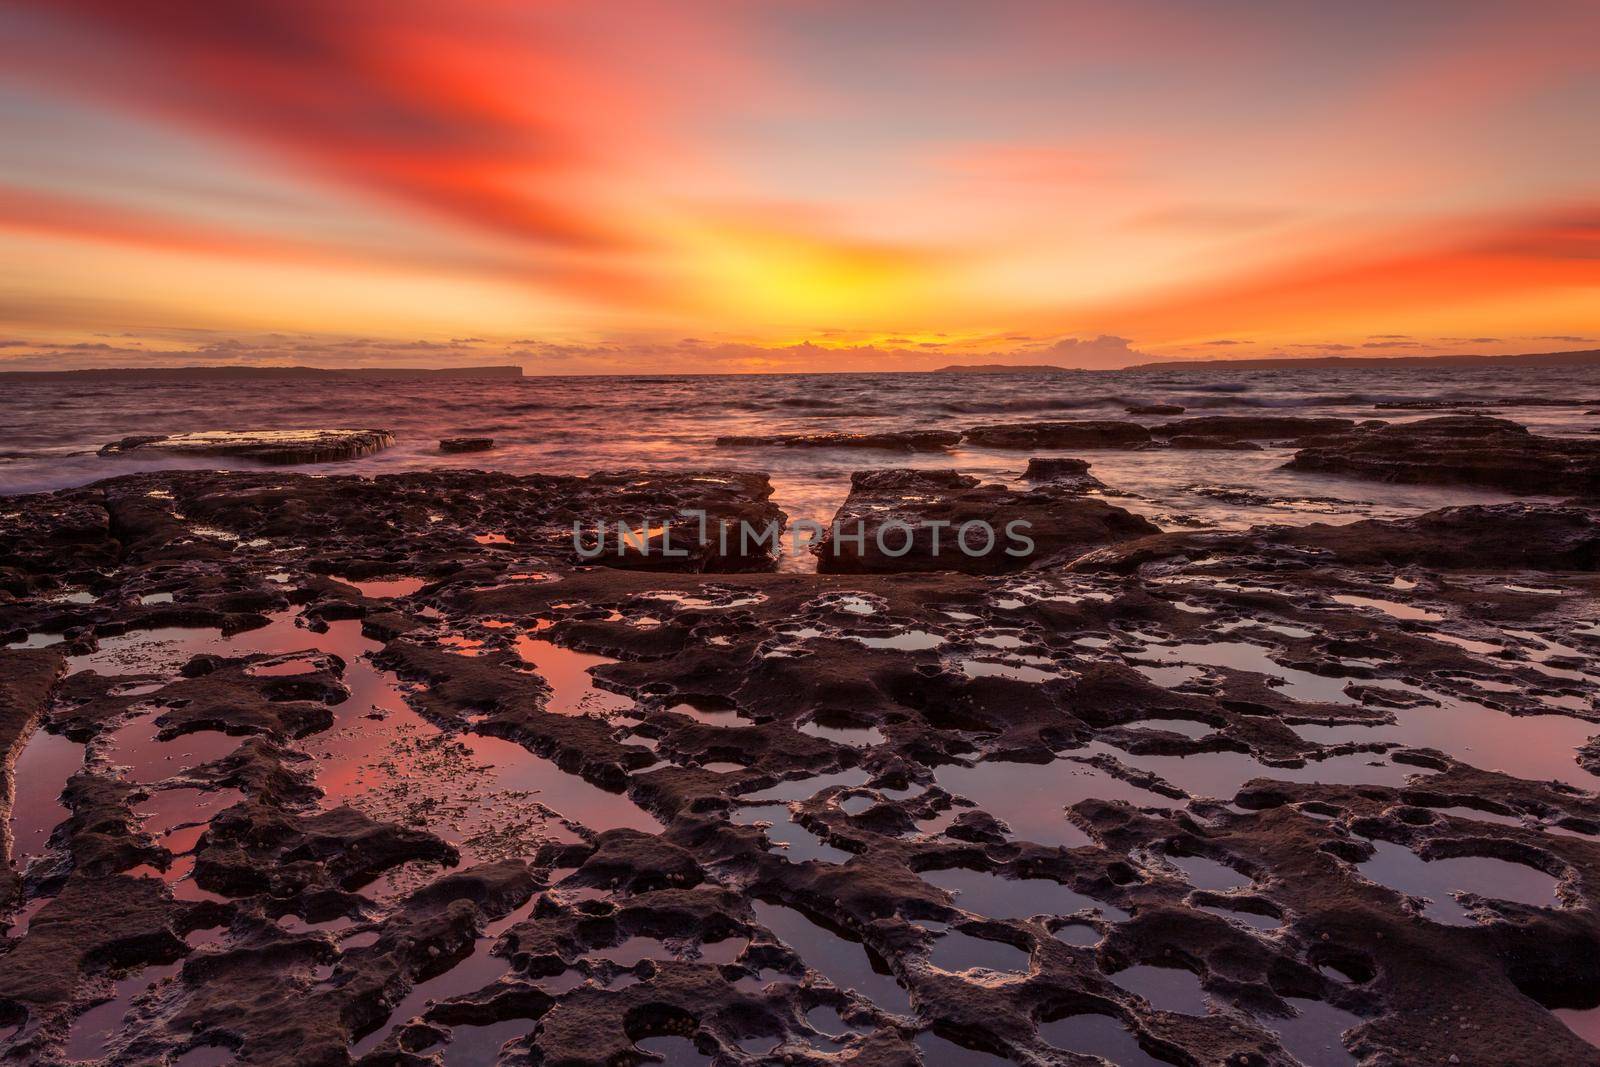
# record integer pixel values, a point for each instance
(911, 520)
(1062, 470)
(466, 444)
(1461, 450)
(1216, 444)
(1476, 537)
(887, 440)
(1084, 434)
(265, 446)
(1252, 426)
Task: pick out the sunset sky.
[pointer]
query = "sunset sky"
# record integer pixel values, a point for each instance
(811, 185)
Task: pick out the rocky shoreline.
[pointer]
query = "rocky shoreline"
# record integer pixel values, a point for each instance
(383, 770)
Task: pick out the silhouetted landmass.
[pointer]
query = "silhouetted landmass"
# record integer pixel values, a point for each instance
(1581, 358)
(1004, 368)
(229, 373)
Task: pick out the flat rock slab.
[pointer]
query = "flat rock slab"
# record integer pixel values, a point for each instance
(1214, 444)
(466, 444)
(892, 440)
(1253, 426)
(1086, 433)
(1461, 450)
(914, 520)
(265, 446)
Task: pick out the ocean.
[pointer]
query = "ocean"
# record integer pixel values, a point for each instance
(51, 429)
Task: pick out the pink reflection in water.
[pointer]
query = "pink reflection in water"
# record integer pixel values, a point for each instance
(40, 774)
(573, 691)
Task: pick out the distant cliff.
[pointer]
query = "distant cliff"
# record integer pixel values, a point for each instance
(1582, 358)
(230, 373)
(1004, 368)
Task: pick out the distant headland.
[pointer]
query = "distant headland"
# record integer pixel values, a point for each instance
(231, 373)
(1580, 358)
(1004, 368)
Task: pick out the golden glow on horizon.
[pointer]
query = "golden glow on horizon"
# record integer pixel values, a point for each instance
(704, 185)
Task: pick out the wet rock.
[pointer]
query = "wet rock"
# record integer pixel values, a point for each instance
(1461, 450)
(253, 848)
(94, 922)
(887, 440)
(1083, 434)
(466, 444)
(740, 530)
(1501, 402)
(1054, 732)
(1062, 471)
(26, 678)
(1155, 409)
(910, 520)
(1253, 426)
(1217, 443)
(264, 446)
(1475, 537)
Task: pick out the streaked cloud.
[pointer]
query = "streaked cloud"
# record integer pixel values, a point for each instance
(881, 180)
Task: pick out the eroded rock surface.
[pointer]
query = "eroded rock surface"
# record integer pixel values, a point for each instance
(888, 440)
(900, 520)
(1248, 427)
(1461, 450)
(265, 446)
(466, 444)
(1104, 433)
(377, 771)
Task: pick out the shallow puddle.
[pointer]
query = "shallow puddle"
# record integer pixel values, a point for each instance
(905, 641)
(1098, 1035)
(1013, 669)
(481, 793)
(479, 1046)
(1187, 727)
(566, 672)
(1031, 798)
(1254, 920)
(673, 1051)
(1585, 1022)
(137, 749)
(1313, 1034)
(939, 1052)
(1243, 656)
(470, 975)
(724, 715)
(382, 588)
(797, 843)
(828, 1022)
(1203, 873)
(846, 963)
(806, 788)
(853, 736)
(1079, 935)
(1392, 608)
(1399, 868)
(95, 1027)
(1166, 988)
(990, 895)
(956, 951)
(1222, 774)
(39, 776)
(38, 641)
(1536, 747)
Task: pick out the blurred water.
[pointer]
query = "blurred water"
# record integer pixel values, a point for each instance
(49, 430)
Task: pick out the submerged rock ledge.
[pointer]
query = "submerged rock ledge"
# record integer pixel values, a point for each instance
(265, 446)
